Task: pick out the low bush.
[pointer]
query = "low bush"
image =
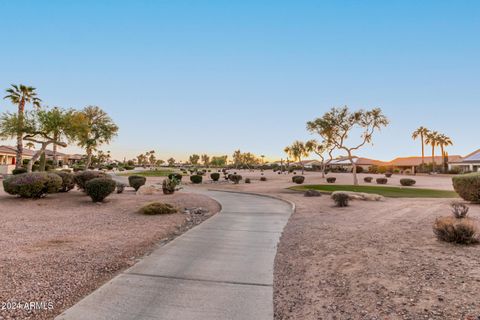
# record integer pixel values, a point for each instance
(407, 182)
(298, 179)
(368, 179)
(82, 177)
(169, 185)
(468, 186)
(120, 187)
(312, 193)
(331, 179)
(461, 231)
(235, 178)
(32, 185)
(175, 175)
(196, 179)
(382, 180)
(157, 208)
(340, 199)
(388, 174)
(100, 188)
(136, 181)
(78, 168)
(459, 210)
(215, 176)
(263, 179)
(68, 180)
(360, 169)
(247, 180)
(19, 171)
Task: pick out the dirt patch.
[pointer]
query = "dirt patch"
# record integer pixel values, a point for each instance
(373, 260)
(58, 249)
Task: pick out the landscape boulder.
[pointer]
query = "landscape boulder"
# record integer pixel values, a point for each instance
(360, 196)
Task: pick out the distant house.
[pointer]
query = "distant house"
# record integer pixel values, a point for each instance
(8, 158)
(470, 162)
(413, 163)
(364, 163)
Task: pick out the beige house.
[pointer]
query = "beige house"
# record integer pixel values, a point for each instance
(8, 158)
(470, 162)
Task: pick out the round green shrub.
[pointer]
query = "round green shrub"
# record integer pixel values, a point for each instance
(407, 182)
(247, 180)
(68, 180)
(82, 177)
(263, 178)
(32, 185)
(175, 175)
(341, 199)
(382, 180)
(368, 179)
(468, 186)
(298, 179)
(157, 208)
(19, 171)
(331, 179)
(388, 174)
(215, 176)
(196, 179)
(136, 181)
(100, 188)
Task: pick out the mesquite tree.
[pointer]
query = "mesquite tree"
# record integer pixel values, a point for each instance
(320, 149)
(336, 126)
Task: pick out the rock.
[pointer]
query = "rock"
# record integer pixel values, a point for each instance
(312, 193)
(147, 190)
(360, 196)
(199, 210)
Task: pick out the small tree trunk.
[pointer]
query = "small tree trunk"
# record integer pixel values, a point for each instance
(54, 148)
(36, 156)
(89, 159)
(354, 171)
(323, 169)
(42, 162)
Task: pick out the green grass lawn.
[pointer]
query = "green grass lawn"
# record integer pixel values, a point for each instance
(390, 192)
(148, 173)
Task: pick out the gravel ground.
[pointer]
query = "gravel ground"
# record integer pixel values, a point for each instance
(60, 248)
(373, 260)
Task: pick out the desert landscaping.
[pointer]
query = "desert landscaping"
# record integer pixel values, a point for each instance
(239, 160)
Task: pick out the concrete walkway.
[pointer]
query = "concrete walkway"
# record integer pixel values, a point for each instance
(219, 270)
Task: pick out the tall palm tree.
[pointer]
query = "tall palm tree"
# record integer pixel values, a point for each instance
(20, 95)
(297, 150)
(444, 141)
(421, 133)
(432, 139)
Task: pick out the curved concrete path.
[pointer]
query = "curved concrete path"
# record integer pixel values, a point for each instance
(219, 270)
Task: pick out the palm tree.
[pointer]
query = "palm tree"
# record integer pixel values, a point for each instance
(432, 139)
(421, 132)
(297, 151)
(444, 141)
(20, 95)
(30, 145)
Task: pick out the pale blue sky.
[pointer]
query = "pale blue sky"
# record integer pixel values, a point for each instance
(210, 76)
